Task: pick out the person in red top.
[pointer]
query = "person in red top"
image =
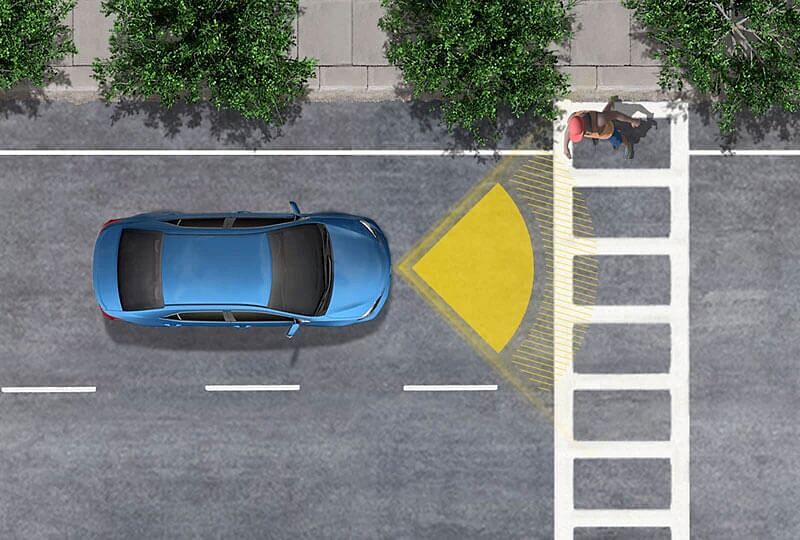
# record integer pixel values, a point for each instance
(599, 125)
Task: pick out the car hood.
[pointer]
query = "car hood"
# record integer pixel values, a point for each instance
(361, 269)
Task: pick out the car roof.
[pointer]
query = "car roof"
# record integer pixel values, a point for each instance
(212, 268)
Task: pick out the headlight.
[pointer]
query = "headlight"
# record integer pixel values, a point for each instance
(370, 310)
(369, 228)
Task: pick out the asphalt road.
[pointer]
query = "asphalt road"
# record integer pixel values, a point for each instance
(151, 455)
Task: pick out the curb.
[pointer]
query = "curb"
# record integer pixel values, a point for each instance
(350, 95)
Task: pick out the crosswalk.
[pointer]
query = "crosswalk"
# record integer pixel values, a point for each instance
(676, 314)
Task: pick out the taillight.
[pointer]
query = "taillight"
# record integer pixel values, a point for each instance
(107, 316)
(109, 222)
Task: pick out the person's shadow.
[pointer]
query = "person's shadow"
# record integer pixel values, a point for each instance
(635, 134)
(652, 154)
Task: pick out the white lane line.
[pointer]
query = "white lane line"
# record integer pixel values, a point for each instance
(744, 153)
(48, 389)
(449, 387)
(487, 152)
(252, 387)
(276, 153)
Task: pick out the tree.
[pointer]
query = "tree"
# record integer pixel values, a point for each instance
(32, 38)
(741, 54)
(233, 52)
(480, 56)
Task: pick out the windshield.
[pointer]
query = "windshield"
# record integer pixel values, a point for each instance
(302, 269)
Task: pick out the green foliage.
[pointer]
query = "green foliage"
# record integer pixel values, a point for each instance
(233, 52)
(741, 54)
(479, 56)
(32, 36)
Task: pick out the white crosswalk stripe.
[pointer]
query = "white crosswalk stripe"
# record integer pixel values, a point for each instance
(676, 314)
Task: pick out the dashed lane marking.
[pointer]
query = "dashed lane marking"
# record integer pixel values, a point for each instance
(450, 388)
(252, 387)
(48, 389)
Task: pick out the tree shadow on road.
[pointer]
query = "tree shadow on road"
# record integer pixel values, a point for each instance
(535, 133)
(239, 339)
(26, 99)
(224, 125)
(17, 104)
(749, 128)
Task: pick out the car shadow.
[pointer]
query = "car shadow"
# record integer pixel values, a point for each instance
(239, 339)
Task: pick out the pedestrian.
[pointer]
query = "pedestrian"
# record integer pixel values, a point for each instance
(599, 125)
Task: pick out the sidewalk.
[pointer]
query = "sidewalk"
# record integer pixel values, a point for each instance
(343, 35)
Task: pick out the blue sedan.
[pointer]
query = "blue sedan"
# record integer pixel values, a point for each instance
(242, 269)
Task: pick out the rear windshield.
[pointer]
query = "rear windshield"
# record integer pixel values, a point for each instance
(301, 269)
(139, 270)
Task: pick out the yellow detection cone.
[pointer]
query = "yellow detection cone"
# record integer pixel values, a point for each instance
(483, 268)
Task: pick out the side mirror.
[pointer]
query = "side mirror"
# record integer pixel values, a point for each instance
(293, 329)
(295, 208)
